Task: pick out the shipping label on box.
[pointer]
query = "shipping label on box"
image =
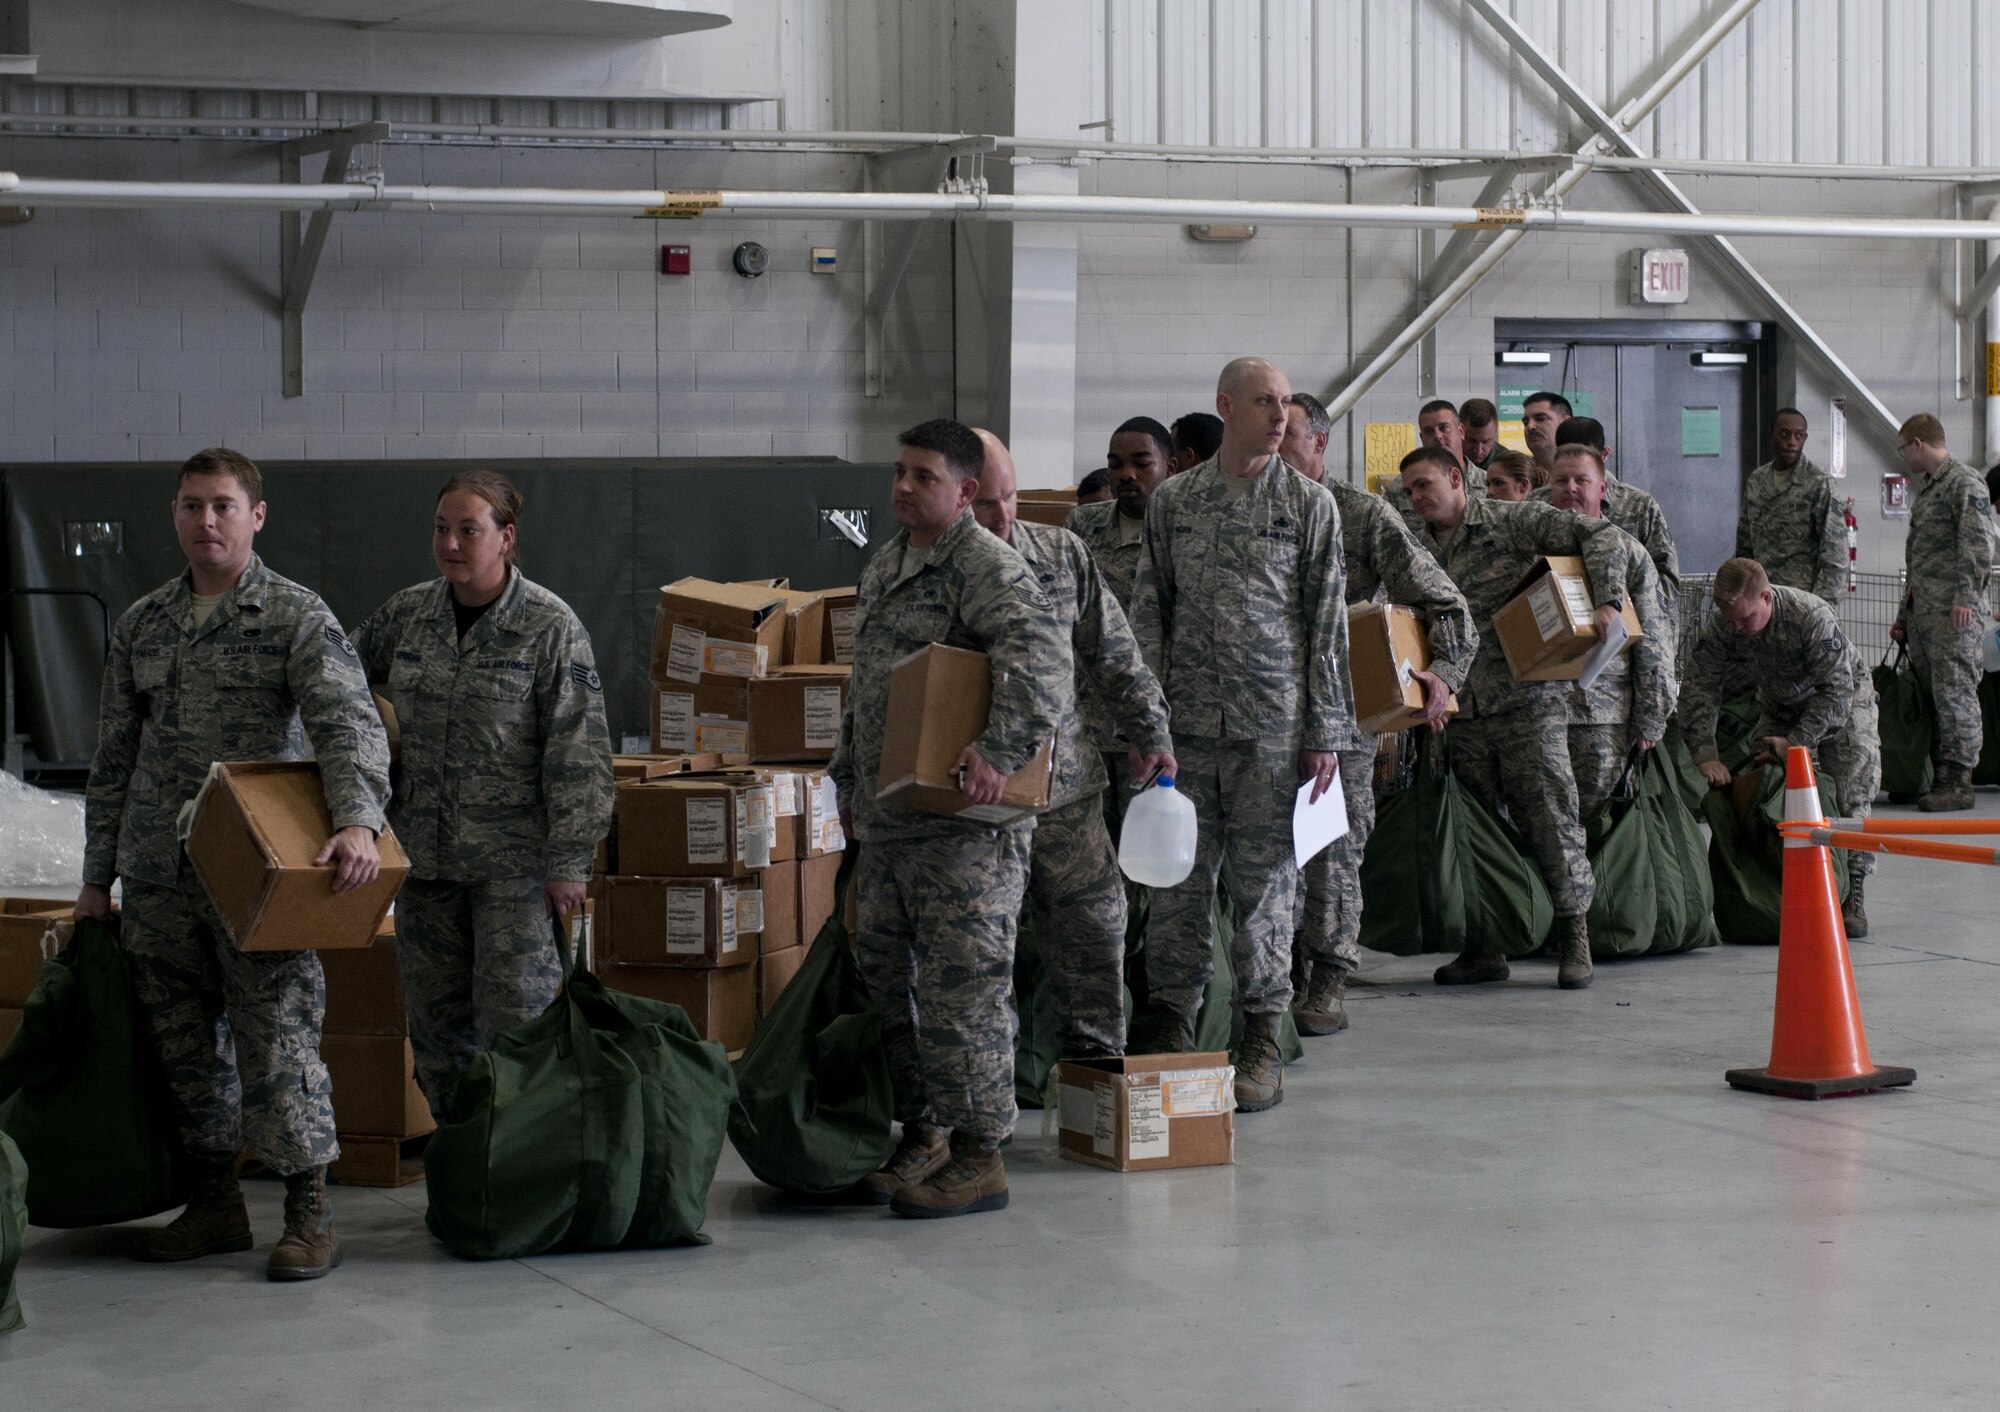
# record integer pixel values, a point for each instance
(819, 825)
(842, 606)
(724, 629)
(938, 701)
(701, 826)
(1147, 1112)
(1547, 629)
(681, 921)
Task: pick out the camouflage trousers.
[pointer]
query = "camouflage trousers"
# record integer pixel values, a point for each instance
(1242, 793)
(1077, 898)
(1329, 927)
(238, 1032)
(1598, 755)
(1852, 758)
(1947, 658)
(477, 959)
(937, 918)
(1520, 762)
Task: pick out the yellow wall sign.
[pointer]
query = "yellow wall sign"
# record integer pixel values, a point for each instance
(1383, 447)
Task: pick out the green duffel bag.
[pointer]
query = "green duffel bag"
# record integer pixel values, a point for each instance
(1908, 727)
(1674, 752)
(1218, 1025)
(13, 1230)
(813, 1107)
(1441, 871)
(1618, 839)
(83, 1095)
(1735, 725)
(1038, 1040)
(1682, 889)
(1987, 771)
(596, 1125)
(1746, 855)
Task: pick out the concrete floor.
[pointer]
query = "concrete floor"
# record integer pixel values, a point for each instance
(1501, 1198)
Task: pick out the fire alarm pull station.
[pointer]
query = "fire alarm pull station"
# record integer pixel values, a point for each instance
(676, 259)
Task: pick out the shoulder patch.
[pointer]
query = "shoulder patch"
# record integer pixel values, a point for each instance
(1032, 596)
(585, 677)
(338, 638)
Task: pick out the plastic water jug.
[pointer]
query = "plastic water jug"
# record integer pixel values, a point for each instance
(1989, 644)
(1156, 846)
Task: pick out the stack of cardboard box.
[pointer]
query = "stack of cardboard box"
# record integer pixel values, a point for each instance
(723, 850)
(365, 1041)
(23, 922)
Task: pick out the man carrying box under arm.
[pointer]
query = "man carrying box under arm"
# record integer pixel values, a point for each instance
(939, 896)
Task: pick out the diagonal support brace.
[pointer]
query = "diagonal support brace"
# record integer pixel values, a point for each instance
(302, 242)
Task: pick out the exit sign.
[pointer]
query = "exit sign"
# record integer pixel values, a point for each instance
(1659, 276)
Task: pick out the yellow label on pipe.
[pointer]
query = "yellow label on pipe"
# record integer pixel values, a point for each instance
(1993, 370)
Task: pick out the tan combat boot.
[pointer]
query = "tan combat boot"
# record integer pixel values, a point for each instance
(1573, 968)
(1322, 1009)
(1260, 1069)
(215, 1221)
(922, 1151)
(1472, 968)
(1950, 792)
(974, 1180)
(1854, 911)
(308, 1249)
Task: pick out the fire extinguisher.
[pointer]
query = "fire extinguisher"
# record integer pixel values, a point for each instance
(1853, 545)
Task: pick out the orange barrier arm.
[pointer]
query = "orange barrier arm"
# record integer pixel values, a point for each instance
(1918, 826)
(1906, 847)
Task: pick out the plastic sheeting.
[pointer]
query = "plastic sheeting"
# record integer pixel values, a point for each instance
(41, 836)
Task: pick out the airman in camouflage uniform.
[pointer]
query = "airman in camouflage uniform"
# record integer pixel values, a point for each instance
(1791, 520)
(1138, 461)
(1381, 558)
(503, 787)
(1812, 690)
(939, 896)
(1075, 890)
(1399, 498)
(1509, 745)
(1629, 703)
(1239, 611)
(247, 674)
(1626, 506)
(1948, 560)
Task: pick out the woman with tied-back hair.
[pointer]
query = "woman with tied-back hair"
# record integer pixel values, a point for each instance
(504, 781)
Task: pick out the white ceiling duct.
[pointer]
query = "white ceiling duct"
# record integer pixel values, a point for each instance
(607, 19)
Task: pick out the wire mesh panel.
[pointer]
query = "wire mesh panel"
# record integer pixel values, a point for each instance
(1867, 613)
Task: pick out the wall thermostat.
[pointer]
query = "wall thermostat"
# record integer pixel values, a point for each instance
(750, 259)
(825, 260)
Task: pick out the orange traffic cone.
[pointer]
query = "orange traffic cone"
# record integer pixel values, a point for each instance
(1818, 1049)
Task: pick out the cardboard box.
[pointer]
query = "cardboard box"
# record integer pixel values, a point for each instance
(795, 713)
(364, 991)
(724, 629)
(1546, 628)
(1386, 647)
(708, 716)
(257, 828)
(1147, 1112)
(681, 921)
(637, 768)
(805, 621)
(836, 643)
(819, 831)
(780, 885)
(776, 970)
(721, 1003)
(938, 700)
(23, 920)
(788, 795)
(1045, 507)
(719, 826)
(375, 1085)
(10, 1024)
(817, 877)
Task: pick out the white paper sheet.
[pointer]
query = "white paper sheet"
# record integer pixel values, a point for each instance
(1602, 655)
(1314, 826)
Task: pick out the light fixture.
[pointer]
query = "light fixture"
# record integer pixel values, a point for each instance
(1222, 234)
(1707, 359)
(1524, 358)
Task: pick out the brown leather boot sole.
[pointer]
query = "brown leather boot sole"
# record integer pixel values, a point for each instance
(329, 1258)
(932, 1200)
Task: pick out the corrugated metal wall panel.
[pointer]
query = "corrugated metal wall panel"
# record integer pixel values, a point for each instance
(1772, 99)
(1902, 81)
(1236, 74)
(1341, 95)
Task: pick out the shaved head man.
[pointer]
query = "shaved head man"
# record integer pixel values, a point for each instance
(1239, 609)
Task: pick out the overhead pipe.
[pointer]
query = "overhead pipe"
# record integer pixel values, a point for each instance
(889, 205)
